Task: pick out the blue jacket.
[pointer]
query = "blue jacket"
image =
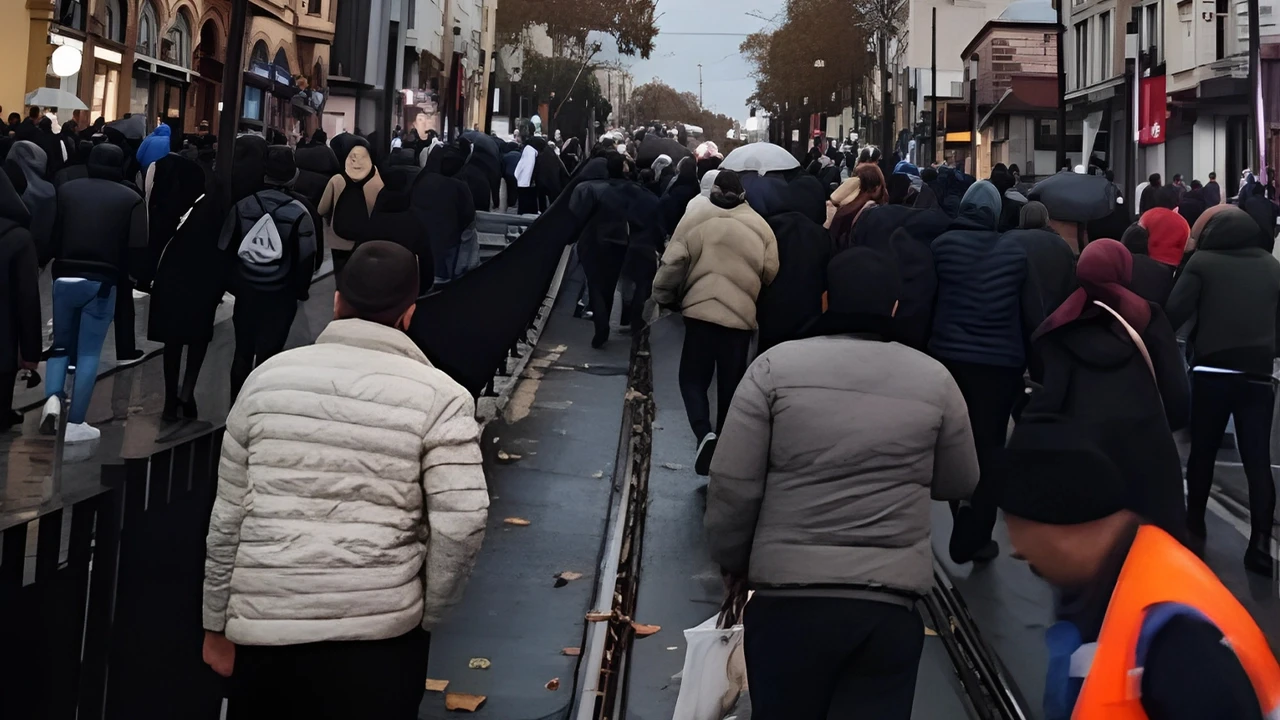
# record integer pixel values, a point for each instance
(981, 279)
(154, 147)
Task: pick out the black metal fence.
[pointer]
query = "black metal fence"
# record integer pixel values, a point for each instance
(101, 617)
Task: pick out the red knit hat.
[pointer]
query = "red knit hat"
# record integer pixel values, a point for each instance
(1168, 233)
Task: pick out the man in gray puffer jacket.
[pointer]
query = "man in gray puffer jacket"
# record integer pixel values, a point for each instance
(351, 506)
(820, 499)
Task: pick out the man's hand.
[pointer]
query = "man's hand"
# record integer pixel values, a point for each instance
(219, 653)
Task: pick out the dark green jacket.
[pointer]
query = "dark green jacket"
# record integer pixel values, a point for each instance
(1230, 288)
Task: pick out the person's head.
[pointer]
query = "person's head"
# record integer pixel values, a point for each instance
(106, 162)
(929, 174)
(1229, 228)
(869, 154)
(1135, 239)
(1014, 171)
(1177, 178)
(1213, 177)
(1066, 503)
(359, 164)
(46, 124)
(1168, 233)
(865, 284)
(870, 179)
(379, 284)
(1154, 179)
(33, 113)
(727, 191)
(616, 165)
(281, 168)
(203, 128)
(1034, 216)
(662, 162)
(1195, 185)
(981, 203)
(899, 186)
(14, 118)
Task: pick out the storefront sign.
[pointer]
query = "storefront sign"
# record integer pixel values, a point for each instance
(1153, 111)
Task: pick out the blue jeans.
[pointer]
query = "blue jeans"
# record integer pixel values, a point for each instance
(82, 313)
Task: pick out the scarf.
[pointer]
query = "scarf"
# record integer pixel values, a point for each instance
(1104, 271)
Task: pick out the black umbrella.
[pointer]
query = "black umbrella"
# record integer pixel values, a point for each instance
(652, 146)
(1072, 197)
(133, 127)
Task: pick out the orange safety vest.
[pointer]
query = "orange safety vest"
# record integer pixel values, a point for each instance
(1159, 569)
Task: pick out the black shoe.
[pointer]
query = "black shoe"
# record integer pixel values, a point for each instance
(127, 358)
(189, 411)
(706, 451)
(599, 339)
(964, 546)
(1259, 561)
(987, 553)
(10, 420)
(170, 412)
(1195, 525)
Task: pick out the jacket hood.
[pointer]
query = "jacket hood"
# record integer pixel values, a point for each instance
(106, 162)
(1230, 229)
(12, 210)
(318, 159)
(766, 194)
(29, 157)
(981, 204)
(1168, 233)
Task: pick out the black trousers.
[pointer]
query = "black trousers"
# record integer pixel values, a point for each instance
(711, 349)
(528, 201)
(1214, 397)
(602, 265)
(814, 658)
(7, 380)
(381, 679)
(262, 322)
(513, 191)
(340, 258)
(126, 342)
(990, 392)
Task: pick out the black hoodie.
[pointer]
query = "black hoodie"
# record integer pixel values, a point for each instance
(794, 299)
(20, 293)
(101, 228)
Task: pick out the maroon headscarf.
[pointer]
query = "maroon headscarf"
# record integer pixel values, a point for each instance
(1104, 271)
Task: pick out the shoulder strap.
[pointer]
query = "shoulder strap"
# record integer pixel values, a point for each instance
(1133, 335)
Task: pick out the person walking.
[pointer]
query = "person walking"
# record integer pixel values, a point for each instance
(527, 190)
(720, 257)
(19, 300)
(101, 237)
(794, 299)
(832, 629)
(871, 192)
(1108, 360)
(349, 198)
(676, 196)
(154, 146)
(1231, 367)
(1051, 265)
(1149, 196)
(1213, 191)
(445, 209)
(335, 544)
(980, 329)
(25, 166)
(1149, 631)
(273, 238)
(1158, 242)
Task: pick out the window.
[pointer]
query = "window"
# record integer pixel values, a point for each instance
(71, 13)
(1082, 54)
(147, 31)
(1106, 44)
(1152, 34)
(413, 11)
(259, 53)
(115, 21)
(178, 42)
(252, 103)
(313, 7)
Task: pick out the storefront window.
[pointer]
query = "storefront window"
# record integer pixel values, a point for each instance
(140, 93)
(115, 21)
(252, 103)
(106, 83)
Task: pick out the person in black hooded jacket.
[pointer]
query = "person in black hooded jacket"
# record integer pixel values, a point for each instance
(78, 167)
(683, 188)
(471, 173)
(19, 299)
(393, 220)
(794, 299)
(445, 208)
(99, 239)
(548, 173)
(25, 166)
(316, 164)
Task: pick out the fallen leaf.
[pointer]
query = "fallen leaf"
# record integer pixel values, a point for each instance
(930, 632)
(673, 647)
(553, 684)
(644, 630)
(518, 522)
(672, 466)
(437, 685)
(505, 456)
(462, 701)
(479, 663)
(571, 652)
(570, 575)
(599, 617)
(598, 474)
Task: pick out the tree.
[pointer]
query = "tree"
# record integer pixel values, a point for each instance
(883, 20)
(568, 22)
(569, 87)
(658, 102)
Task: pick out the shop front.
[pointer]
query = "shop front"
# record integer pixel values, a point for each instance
(268, 101)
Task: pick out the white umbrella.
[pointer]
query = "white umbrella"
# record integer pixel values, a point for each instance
(761, 158)
(54, 98)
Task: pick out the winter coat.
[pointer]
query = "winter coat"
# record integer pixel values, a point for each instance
(341, 205)
(317, 164)
(155, 146)
(676, 199)
(20, 291)
(394, 220)
(52, 147)
(1051, 270)
(837, 496)
(981, 279)
(101, 229)
(525, 168)
(1152, 280)
(794, 299)
(473, 175)
(1212, 193)
(1231, 288)
(1263, 212)
(191, 276)
(178, 182)
(549, 173)
(40, 197)
(444, 207)
(879, 230)
(351, 497)
(1192, 206)
(1090, 371)
(716, 263)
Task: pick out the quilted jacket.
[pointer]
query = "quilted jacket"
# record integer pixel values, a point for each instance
(351, 499)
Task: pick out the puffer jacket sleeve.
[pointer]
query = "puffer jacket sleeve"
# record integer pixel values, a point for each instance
(224, 524)
(738, 472)
(770, 255)
(457, 501)
(670, 277)
(955, 460)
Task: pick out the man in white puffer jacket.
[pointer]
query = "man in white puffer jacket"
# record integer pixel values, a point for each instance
(351, 506)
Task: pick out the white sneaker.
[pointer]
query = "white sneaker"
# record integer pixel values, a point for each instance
(81, 432)
(49, 416)
(706, 450)
(139, 295)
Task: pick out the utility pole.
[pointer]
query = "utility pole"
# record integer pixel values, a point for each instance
(699, 84)
(1257, 129)
(232, 78)
(1062, 89)
(886, 120)
(1133, 78)
(933, 88)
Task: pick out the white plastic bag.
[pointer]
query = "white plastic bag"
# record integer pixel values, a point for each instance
(714, 674)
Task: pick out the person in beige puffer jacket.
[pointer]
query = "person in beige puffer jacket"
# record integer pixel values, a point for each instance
(351, 506)
(721, 255)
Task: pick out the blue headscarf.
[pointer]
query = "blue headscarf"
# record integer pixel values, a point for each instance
(981, 203)
(156, 146)
(907, 168)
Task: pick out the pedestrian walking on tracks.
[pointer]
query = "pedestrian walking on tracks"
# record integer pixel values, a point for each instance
(351, 506)
(819, 499)
(713, 269)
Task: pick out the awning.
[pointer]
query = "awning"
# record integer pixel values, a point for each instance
(164, 69)
(1086, 93)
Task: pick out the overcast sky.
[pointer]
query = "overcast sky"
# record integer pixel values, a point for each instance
(707, 32)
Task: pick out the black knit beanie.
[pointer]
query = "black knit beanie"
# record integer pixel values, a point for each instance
(380, 281)
(1058, 475)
